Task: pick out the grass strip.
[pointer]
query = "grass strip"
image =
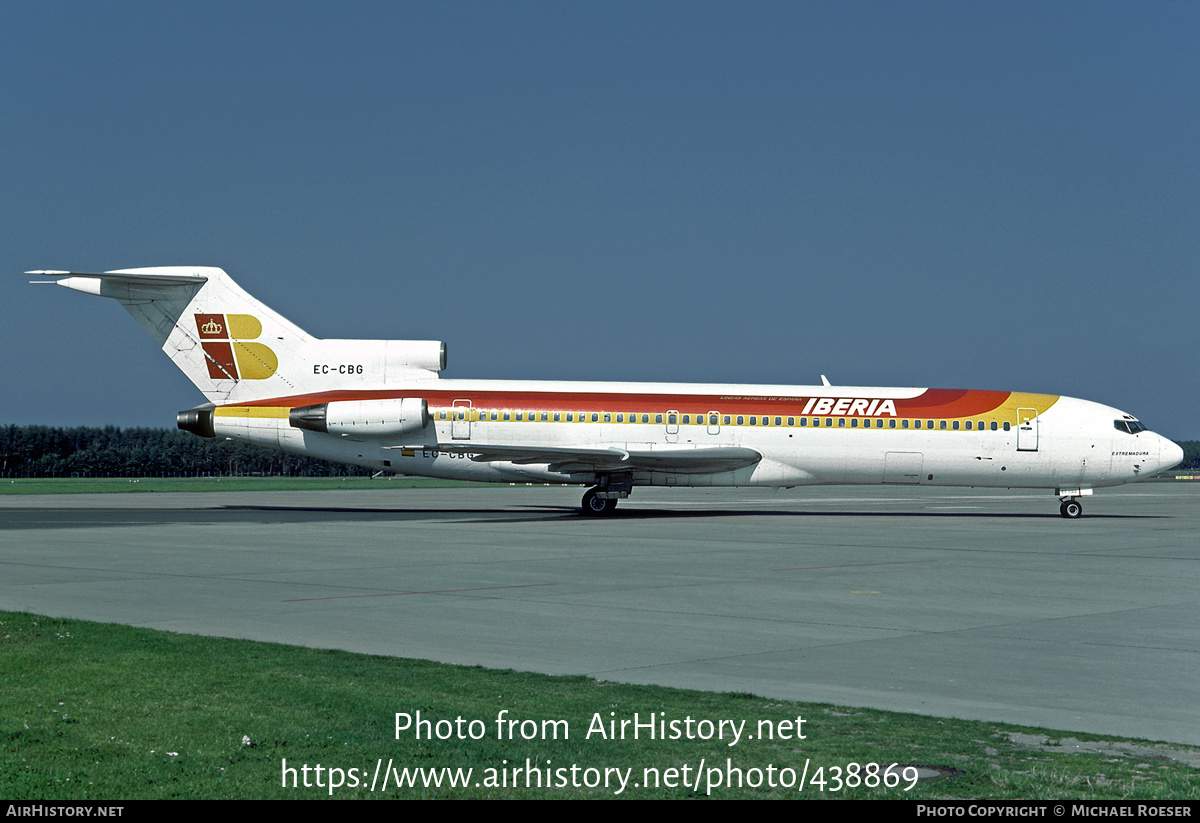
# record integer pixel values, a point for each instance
(102, 712)
(128, 485)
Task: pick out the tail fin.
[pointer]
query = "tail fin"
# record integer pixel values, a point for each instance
(234, 348)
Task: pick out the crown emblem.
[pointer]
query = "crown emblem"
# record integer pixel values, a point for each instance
(211, 327)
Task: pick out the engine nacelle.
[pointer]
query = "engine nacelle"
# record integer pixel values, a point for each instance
(368, 418)
(416, 354)
(197, 421)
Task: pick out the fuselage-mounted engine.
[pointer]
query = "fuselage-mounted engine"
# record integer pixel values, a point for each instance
(393, 417)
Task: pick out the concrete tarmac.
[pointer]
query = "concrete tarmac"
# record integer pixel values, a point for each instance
(949, 602)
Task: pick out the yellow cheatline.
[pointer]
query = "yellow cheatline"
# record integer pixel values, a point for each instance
(255, 360)
(1023, 400)
(243, 326)
(252, 411)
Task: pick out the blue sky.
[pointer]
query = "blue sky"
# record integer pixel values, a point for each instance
(977, 195)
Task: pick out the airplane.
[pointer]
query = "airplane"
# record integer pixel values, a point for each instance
(382, 405)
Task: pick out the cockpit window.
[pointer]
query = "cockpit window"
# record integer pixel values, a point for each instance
(1129, 426)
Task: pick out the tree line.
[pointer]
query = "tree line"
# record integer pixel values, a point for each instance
(1191, 454)
(42, 451)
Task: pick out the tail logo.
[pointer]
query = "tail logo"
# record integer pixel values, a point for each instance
(229, 349)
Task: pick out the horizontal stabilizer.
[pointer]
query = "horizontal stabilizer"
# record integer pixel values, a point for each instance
(128, 277)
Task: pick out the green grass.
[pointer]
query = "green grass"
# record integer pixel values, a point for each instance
(98, 711)
(82, 485)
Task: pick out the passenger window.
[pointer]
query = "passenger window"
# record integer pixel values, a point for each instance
(942, 425)
(741, 420)
(994, 425)
(557, 417)
(753, 420)
(892, 423)
(904, 424)
(803, 422)
(929, 424)
(956, 425)
(621, 418)
(658, 418)
(778, 421)
(672, 419)
(713, 420)
(791, 421)
(829, 421)
(595, 417)
(1006, 425)
(608, 417)
(854, 423)
(726, 420)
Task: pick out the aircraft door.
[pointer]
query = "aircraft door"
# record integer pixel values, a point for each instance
(460, 423)
(672, 426)
(714, 422)
(902, 467)
(1027, 430)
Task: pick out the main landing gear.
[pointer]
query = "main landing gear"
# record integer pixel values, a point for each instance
(602, 499)
(594, 505)
(1071, 509)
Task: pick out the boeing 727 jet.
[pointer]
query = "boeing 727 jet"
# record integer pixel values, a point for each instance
(382, 405)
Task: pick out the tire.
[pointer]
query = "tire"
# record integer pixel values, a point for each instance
(594, 506)
(1071, 509)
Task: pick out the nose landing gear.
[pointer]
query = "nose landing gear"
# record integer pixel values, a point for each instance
(1070, 506)
(1071, 509)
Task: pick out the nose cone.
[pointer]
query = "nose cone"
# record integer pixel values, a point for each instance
(1170, 454)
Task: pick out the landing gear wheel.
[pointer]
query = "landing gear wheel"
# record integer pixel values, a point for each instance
(594, 506)
(1071, 509)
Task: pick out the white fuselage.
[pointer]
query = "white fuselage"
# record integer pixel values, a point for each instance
(861, 436)
(380, 404)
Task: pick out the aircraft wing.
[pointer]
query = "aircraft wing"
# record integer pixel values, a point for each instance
(680, 460)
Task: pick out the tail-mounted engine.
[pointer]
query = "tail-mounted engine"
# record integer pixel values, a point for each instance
(367, 418)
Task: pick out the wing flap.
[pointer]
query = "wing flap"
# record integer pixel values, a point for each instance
(610, 459)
